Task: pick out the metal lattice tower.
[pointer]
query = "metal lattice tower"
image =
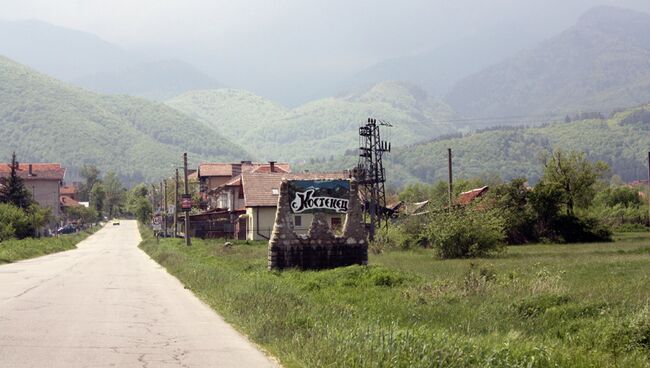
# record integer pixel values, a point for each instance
(371, 174)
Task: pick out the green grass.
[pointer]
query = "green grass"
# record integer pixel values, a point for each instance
(534, 306)
(15, 250)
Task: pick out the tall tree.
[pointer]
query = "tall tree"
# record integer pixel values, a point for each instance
(573, 177)
(98, 197)
(115, 194)
(90, 173)
(12, 188)
(138, 204)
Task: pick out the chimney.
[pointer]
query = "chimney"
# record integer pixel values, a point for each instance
(30, 170)
(272, 164)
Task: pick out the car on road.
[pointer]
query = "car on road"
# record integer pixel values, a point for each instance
(67, 229)
(116, 222)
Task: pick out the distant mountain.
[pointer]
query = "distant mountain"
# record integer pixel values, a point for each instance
(601, 63)
(43, 119)
(510, 152)
(321, 128)
(157, 80)
(60, 52)
(87, 60)
(438, 69)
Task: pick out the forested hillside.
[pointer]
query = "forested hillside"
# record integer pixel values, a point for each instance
(601, 63)
(321, 128)
(43, 119)
(622, 141)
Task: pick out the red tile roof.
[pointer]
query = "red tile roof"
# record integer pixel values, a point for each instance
(234, 182)
(266, 168)
(466, 198)
(68, 190)
(40, 171)
(258, 187)
(215, 169)
(68, 202)
(233, 169)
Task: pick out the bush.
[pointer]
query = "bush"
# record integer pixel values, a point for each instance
(14, 222)
(463, 233)
(571, 229)
(408, 233)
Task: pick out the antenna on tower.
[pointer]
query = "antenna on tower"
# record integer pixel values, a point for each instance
(371, 174)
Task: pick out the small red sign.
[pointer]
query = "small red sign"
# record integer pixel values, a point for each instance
(186, 202)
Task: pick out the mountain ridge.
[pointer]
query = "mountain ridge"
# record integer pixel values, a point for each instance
(600, 64)
(319, 128)
(44, 119)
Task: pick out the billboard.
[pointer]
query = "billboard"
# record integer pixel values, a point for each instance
(309, 196)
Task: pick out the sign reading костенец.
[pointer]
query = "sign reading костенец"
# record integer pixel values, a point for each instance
(309, 196)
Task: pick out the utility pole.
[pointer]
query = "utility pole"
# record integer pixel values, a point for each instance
(176, 206)
(153, 198)
(648, 188)
(34, 213)
(188, 242)
(165, 206)
(451, 179)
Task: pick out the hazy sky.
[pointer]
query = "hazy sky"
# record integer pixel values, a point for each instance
(257, 44)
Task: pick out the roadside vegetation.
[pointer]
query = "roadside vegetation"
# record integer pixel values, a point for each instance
(546, 305)
(23, 222)
(13, 250)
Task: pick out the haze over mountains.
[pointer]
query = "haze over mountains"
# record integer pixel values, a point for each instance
(438, 69)
(599, 64)
(87, 60)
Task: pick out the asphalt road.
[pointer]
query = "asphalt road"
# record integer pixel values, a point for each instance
(107, 304)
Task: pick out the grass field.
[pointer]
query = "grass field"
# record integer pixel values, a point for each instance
(15, 250)
(533, 306)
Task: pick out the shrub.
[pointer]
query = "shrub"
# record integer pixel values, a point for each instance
(572, 229)
(14, 222)
(463, 233)
(512, 201)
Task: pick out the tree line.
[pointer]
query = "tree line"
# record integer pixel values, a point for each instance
(575, 200)
(21, 216)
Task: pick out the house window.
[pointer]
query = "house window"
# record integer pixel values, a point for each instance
(275, 191)
(297, 220)
(241, 194)
(336, 223)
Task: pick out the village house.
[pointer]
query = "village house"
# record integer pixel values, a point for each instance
(470, 196)
(67, 202)
(214, 175)
(70, 191)
(219, 216)
(43, 180)
(251, 200)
